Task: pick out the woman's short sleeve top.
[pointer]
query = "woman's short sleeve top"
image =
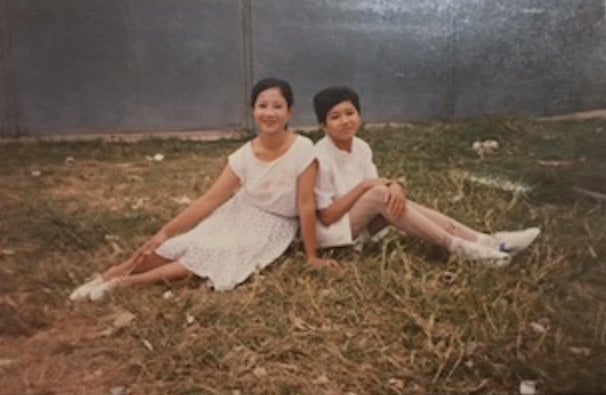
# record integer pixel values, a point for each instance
(272, 185)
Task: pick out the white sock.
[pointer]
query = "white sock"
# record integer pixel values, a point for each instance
(456, 244)
(488, 241)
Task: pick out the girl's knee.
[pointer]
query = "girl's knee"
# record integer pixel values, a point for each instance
(377, 193)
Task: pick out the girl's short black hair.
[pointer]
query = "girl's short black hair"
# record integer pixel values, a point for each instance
(267, 83)
(327, 98)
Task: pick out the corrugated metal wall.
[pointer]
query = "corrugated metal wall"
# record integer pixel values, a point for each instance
(73, 66)
(78, 66)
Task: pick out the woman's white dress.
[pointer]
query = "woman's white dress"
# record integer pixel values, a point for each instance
(254, 227)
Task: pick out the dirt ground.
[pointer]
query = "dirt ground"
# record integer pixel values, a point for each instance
(403, 317)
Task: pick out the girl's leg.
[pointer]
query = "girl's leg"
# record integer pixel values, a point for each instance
(412, 221)
(511, 242)
(415, 222)
(449, 224)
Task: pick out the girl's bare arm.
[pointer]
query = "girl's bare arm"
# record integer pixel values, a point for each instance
(307, 216)
(339, 207)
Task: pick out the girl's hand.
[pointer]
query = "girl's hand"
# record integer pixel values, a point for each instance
(395, 200)
(320, 263)
(373, 182)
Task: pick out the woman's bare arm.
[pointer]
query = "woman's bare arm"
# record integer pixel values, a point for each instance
(221, 190)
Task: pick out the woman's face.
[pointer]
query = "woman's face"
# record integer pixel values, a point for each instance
(271, 112)
(342, 123)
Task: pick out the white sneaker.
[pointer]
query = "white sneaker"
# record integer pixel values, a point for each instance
(469, 251)
(514, 242)
(83, 290)
(101, 291)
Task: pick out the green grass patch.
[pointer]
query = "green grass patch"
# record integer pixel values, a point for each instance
(402, 318)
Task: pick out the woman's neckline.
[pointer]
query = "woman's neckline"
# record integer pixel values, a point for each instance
(286, 150)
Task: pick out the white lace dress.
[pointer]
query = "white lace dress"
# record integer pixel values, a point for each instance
(251, 229)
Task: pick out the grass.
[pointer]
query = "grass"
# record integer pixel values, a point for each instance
(402, 318)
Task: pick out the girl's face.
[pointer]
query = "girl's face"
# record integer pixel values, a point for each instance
(342, 124)
(271, 112)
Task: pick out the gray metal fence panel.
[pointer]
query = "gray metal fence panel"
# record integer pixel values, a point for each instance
(8, 113)
(113, 65)
(394, 53)
(532, 57)
(420, 59)
(69, 66)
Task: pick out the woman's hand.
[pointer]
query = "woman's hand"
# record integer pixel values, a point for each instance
(320, 263)
(150, 246)
(395, 200)
(146, 250)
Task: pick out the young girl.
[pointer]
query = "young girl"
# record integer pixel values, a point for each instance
(226, 238)
(351, 198)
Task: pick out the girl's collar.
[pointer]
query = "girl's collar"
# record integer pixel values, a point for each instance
(339, 150)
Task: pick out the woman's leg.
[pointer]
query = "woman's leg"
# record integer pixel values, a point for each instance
(133, 265)
(167, 272)
(163, 273)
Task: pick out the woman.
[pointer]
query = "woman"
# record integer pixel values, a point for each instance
(225, 237)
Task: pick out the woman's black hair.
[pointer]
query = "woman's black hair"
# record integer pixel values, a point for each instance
(267, 83)
(330, 97)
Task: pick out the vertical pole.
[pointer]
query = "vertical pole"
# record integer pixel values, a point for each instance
(6, 127)
(247, 62)
(9, 114)
(451, 82)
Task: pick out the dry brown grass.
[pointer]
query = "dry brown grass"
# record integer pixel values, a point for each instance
(402, 318)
